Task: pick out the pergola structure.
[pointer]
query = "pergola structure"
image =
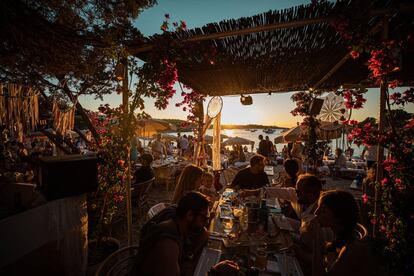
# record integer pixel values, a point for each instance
(296, 49)
(290, 50)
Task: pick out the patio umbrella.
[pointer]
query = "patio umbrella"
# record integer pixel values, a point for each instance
(279, 140)
(294, 134)
(237, 141)
(209, 139)
(149, 127)
(167, 137)
(328, 130)
(325, 131)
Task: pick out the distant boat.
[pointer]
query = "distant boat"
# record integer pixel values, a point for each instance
(253, 130)
(269, 131)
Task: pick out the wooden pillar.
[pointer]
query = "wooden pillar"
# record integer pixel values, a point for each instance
(381, 124)
(126, 124)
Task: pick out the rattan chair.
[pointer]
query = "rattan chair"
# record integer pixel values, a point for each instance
(118, 263)
(139, 194)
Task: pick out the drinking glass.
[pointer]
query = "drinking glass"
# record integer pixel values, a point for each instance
(227, 225)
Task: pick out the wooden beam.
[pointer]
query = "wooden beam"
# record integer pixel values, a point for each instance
(221, 35)
(403, 8)
(332, 71)
(343, 60)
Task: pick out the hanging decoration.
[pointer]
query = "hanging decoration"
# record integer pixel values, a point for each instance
(19, 109)
(333, 109)
(63, 120)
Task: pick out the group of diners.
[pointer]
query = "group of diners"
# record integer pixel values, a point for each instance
(325, 224)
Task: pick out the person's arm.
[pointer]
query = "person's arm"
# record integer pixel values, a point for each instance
(236, 181)
(165, 256)
(246, 193)
(282, 193)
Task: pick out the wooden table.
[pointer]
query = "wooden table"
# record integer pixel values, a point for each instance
(242, 244)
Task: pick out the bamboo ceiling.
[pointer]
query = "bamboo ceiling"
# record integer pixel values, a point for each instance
(279, 60)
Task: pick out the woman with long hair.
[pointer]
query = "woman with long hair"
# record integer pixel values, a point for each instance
(347, 254)
(190, 180)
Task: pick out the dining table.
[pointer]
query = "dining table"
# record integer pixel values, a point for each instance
(252, 232)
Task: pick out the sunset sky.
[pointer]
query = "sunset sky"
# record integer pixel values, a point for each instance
(267, 110)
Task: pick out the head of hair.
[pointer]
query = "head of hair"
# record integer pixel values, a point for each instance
(344, 208)
(256, 159)
(186, 181)
(260, 137)
(208, 175)
(310, 183)
(291, 167)
(339, 151)
(267, 137)
(192, 201)
(147, 158)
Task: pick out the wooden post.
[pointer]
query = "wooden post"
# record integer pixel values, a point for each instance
(125, 94)
(381, 124)
(199, 148)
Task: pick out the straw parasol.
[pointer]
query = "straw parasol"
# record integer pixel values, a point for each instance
(149, 127)
(209, 139)
(326, 131)
(238, 141)
(279, 140)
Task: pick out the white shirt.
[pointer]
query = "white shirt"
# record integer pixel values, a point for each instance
(183, 143)
(290, 195)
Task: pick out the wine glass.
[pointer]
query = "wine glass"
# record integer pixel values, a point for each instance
(227, 225)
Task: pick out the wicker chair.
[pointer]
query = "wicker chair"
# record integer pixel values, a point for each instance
(118, 263)
(139, 194)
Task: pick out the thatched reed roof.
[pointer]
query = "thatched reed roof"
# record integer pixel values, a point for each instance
(285, 58)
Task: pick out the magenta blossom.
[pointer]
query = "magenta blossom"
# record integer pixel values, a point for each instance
(364, 198)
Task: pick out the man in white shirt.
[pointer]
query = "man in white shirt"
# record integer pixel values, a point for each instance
(158, 148)
(303, 198)
(183, 144)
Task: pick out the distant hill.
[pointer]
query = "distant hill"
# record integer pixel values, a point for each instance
(179, 125)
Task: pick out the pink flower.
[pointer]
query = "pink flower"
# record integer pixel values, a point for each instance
(410, 124)
(364, 198)
(183, 25)
(121, 162)
(384, 181)
(354, 54)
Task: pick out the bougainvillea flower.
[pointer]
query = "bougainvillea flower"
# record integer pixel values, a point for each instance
(364, 198)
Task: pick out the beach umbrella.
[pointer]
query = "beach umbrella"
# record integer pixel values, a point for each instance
(279, 140)
(326, 131)
(237, 141)
(294, 134)
(149, 127)
(209, 139)
(167, 137)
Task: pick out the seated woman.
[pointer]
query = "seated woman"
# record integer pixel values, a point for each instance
(190, 180)
(207, 188)
(292, 168)
(347, 255)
